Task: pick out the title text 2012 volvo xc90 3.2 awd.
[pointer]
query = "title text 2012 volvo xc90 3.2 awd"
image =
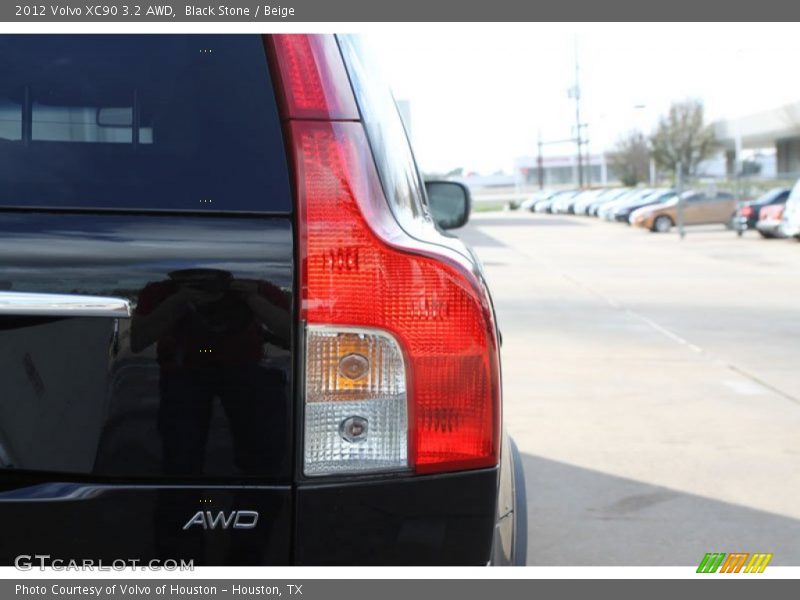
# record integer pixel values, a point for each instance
(232, 329)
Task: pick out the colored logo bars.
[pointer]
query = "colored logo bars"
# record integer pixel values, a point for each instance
(714, 562)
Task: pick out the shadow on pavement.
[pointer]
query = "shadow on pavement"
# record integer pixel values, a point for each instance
(580, 517)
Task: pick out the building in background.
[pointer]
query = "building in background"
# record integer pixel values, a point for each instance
(476, 182)
(560, 171)
(777, 129)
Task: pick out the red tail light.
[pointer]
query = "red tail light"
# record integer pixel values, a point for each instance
(312, 77)
(771, 212)
(359, 269)
(746, 211)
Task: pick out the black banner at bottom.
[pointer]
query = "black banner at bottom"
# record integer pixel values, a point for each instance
(389, 589)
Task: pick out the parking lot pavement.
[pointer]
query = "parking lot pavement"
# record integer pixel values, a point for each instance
(652, 385)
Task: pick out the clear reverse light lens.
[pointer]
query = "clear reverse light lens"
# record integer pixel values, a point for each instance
(356, 405)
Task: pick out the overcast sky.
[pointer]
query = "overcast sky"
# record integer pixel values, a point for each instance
(480, 93)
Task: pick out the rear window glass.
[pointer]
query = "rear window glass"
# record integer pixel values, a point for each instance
(175, 122)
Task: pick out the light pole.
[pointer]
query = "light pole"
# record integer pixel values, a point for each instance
(679, 191)
(575, 93)
(540, 162)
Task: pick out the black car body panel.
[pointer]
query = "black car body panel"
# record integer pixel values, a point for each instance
(433, 520)
(203, 396)
(109, 397)
(122, 522)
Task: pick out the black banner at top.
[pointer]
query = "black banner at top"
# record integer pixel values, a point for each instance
(49, 11)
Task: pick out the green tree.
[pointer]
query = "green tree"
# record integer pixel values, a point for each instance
(682, 137)
(630, 158)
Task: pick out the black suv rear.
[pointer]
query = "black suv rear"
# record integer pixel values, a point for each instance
(230, 330)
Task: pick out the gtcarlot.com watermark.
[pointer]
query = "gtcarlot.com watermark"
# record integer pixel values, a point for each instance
(28, 562)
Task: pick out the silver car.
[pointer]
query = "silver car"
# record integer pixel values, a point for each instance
(546, 206)
(608, 210)
(564, 201)
(790, 225)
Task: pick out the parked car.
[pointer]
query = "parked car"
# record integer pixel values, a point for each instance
(790, 223)
(699, 208)
(583, 198)
(530, 203)
(231, 328)
(594, 206)
(748, 214)
(579, 208)
(606, 211)
(565, 202)
(623, 212)
(546, 206)
(769, 221)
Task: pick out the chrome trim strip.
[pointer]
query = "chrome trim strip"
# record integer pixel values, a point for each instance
(71, 491)
(63, 305)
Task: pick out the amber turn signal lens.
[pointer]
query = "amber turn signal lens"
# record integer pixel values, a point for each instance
(353, 366)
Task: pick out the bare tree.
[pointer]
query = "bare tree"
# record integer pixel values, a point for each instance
(630, 158)
(683, 137)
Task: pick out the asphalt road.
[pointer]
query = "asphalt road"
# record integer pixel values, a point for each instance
(652, 385)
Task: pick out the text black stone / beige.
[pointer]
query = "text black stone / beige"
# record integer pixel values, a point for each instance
(223, 10)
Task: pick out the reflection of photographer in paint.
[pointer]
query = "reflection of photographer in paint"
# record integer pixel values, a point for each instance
(210, 331)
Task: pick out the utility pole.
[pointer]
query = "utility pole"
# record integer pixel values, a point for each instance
(540, 162)
(588, 162)
(576, 94)
(679, 190)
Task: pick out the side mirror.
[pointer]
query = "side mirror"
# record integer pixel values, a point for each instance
(450, 203)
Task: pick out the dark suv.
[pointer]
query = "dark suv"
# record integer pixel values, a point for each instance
(232, 329)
